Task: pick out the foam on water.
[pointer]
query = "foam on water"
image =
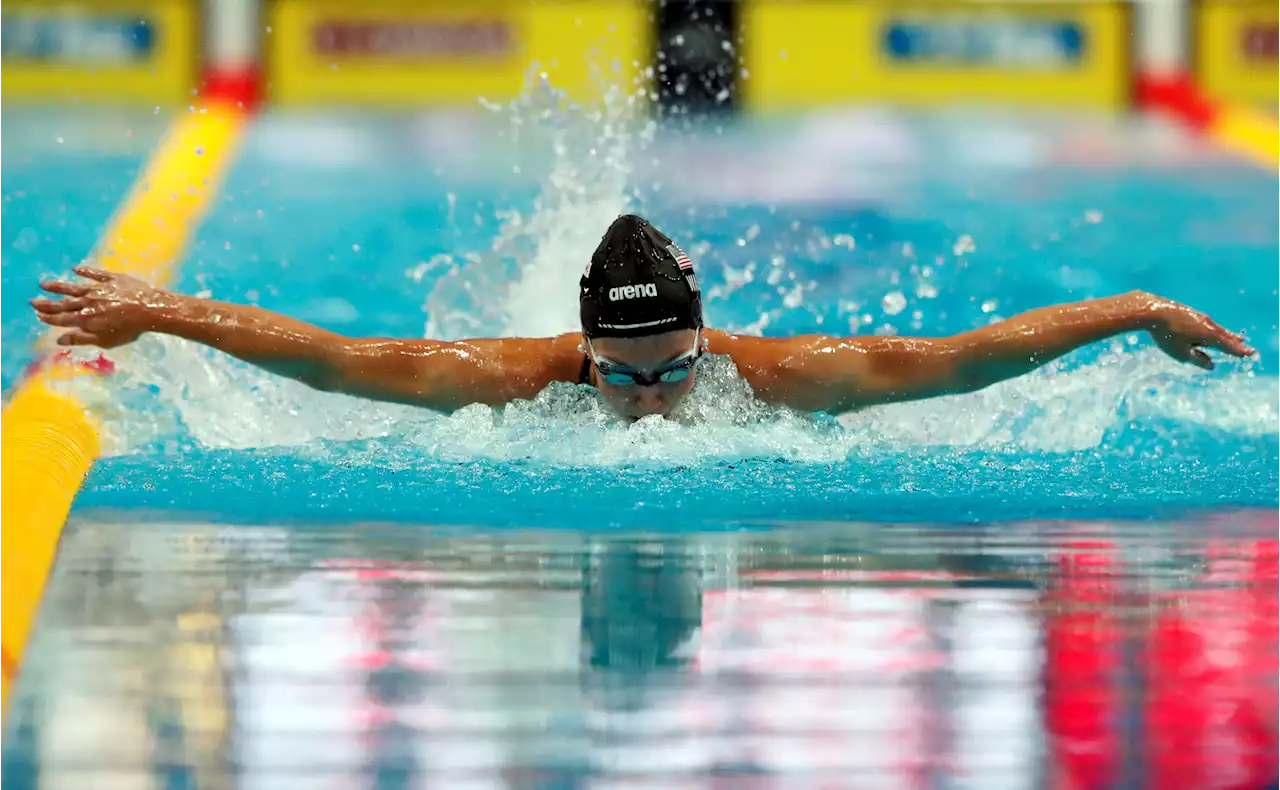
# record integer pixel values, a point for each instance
(178, 395)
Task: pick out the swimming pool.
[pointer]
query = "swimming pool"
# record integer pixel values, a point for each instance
(276, 501)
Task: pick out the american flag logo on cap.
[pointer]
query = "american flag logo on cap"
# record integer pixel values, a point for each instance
(682, 260)
(686, 266)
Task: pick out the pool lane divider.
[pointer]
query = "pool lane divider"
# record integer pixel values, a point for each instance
(48, 438)
(1249, 132)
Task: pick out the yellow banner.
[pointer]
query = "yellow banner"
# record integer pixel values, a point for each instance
(95, 50)
(433, 52)
(1234, 57)
(801, 54)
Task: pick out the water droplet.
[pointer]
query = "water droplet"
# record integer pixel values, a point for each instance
(926, 291)
(990, 305)
(1093, 216)
(963, 245)
(199, 150)
(226, 245)
(794, 298)
(259, 213)
(753, 232)
(893, 303)
(355, 247)
(59, 141)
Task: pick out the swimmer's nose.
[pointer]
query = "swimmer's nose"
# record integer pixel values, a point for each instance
(649, 400)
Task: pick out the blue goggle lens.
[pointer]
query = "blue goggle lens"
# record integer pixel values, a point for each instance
(676, 373)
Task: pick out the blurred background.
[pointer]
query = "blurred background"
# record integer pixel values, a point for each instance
(1065, 581)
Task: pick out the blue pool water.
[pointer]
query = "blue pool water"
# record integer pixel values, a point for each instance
(231, 504)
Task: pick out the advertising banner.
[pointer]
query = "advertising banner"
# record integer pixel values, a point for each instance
(805, 54)
(1234, 56)
(435, 52)
(98, 50)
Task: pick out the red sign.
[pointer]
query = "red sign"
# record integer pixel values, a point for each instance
(413, 39)
(1258, 42)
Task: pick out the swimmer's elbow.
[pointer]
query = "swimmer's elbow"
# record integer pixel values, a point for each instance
(907, 369)
(413, 373)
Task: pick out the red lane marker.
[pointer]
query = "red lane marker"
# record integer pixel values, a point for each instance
(99, 365)
(1177, 95)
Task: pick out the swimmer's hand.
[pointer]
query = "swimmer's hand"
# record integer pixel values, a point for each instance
(107, 309)
(1184, 333)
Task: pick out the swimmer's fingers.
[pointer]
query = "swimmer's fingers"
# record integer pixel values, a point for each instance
(69, 318)
(1229, 342)
(1200, 359)
(1186, 331)
(1184, 350)
(1193, 352)
(78, 337)
(1210, 335)
(90, 273)
(64, 288)
(43, 305)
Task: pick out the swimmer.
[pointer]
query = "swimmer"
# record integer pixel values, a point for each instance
(641, 340)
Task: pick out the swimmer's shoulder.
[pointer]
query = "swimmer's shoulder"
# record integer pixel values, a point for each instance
(748, 348)
(534, 361)
(771, 365)
(563, 357)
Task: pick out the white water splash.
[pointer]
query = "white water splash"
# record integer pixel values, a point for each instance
(526, 284)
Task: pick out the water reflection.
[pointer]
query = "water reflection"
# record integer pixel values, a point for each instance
(1063, 655)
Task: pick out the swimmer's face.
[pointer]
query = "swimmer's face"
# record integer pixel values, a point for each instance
(670, 356)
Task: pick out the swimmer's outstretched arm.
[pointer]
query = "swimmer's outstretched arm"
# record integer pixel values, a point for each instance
(109, 310)
(830, 374)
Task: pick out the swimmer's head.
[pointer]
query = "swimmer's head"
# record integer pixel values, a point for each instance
(641, 315)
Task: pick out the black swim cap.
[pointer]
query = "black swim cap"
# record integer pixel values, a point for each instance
(638, 283)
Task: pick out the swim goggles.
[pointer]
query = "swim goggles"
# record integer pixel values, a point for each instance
(674, 371)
